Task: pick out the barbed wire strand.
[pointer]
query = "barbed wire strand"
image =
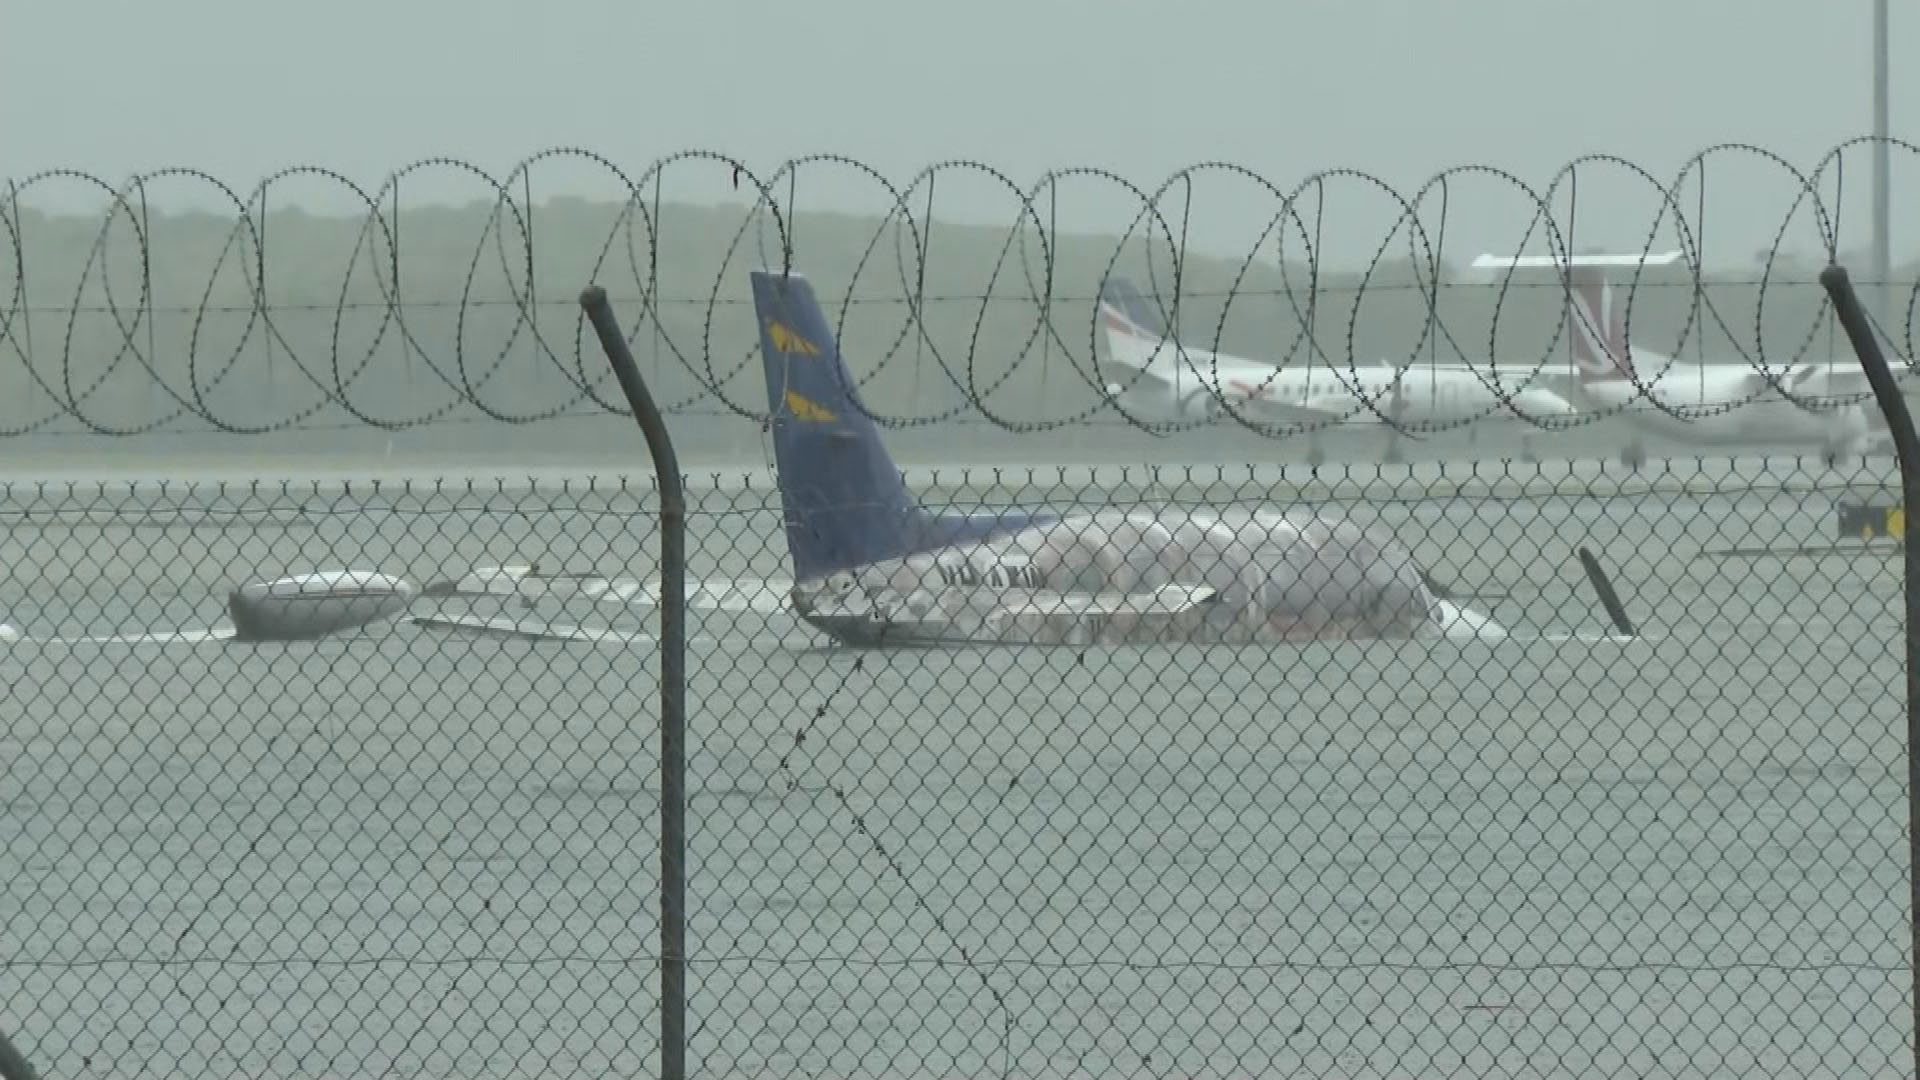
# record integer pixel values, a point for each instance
(1024, 272)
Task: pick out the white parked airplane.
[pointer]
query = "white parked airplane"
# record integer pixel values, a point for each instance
(1716, 403)
(1193, 383)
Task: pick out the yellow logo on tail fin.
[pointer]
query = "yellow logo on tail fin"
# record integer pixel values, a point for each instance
(786, 341)
(808, 410)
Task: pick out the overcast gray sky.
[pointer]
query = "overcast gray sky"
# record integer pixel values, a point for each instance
(1401, 88)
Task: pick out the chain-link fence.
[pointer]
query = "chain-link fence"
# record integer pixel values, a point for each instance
(428, 845)
(1457, 767)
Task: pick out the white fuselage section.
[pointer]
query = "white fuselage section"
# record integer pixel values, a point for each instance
(1719, 403)
(1197, 381)
(1171, 574)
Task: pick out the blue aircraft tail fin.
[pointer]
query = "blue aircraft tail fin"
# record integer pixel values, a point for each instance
(844, 500)
(1119, 296)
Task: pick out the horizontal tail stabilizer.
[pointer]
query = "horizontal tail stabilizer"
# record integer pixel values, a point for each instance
(1598, 323)
(1596, 260)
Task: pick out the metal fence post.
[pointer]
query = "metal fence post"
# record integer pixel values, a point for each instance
(12, 1065)
(1853, 318)
(673, 720)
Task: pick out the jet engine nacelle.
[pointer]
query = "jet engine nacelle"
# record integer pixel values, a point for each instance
(1200, 404)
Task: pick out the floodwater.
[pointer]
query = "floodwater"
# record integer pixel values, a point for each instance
(417, 854)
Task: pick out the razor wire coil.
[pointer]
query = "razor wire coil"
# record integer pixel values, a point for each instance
(67, 376)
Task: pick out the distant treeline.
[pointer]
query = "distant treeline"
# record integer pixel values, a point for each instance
(1015, 334)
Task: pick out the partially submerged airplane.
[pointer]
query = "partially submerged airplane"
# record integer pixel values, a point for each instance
(1197, 384)
(873, 566)
(1725, 402)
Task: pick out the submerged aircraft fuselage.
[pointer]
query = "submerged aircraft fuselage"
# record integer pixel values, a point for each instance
(874, 566)
(1135, 576)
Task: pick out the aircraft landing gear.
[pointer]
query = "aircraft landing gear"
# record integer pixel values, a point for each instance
(1397, 415)
(1833, 454)
(1854, 441)
(1635, 454)
(1391, 455)
(1316, 454)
